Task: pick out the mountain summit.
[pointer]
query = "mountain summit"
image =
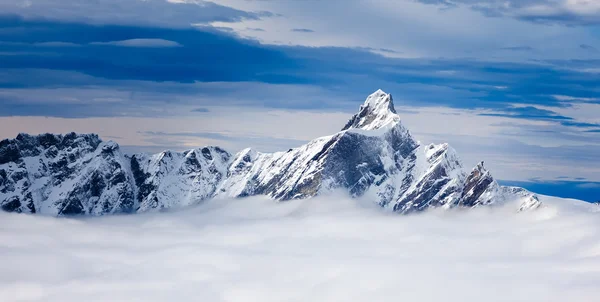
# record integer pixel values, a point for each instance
(374, 156)
(378, 111)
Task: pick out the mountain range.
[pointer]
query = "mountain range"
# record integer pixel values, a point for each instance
(373, 156)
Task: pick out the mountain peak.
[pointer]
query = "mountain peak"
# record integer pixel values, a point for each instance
(376, 112)
(480, 169)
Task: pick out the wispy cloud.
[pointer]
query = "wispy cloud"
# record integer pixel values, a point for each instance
(528, 112)
(141, 43)
(302, 30)
(211, 135)
(132, 12)
(518, 48)
(260, 142)
(538, 11)
(588, 47)
(564, 98)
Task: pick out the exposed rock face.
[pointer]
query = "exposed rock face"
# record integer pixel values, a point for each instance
(480, 188)
(373, 156)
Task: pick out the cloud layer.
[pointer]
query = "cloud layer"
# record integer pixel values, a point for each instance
(568, 12)
(323, 249)
(170, 13)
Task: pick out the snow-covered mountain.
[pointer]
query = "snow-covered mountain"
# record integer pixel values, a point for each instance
(374, 156)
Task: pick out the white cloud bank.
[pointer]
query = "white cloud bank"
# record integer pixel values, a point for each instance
(324, 249)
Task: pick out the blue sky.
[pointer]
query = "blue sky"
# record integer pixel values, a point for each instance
(514, 83)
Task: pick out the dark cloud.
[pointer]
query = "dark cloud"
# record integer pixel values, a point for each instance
(388, 50)
(572, 123)
(588, 47)
(518, 48)
(207, 56)
(303, 30)
(201, 110)
(130, 12)
(139, 43)
(533, 113)
(528, 112)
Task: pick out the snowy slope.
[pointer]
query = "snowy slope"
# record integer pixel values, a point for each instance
(170, 179)
(63, 175)
(373, 156)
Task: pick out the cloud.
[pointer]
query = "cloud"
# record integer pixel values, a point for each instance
(528, 112)
(200, 110)
(566, 12)
(588, 47)
(56, 44)
(212, 135)
(148, 44)
(335, 246)
(131, 12)
(580, 124)
(302, 30)
(388, 50)
(533, 113)
(518, 48)
(259, 142)
(141, 43)
(566, 98)
(426, 31)
(34, 80)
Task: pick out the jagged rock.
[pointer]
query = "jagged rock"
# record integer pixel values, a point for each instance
(170, 179)
(480, 188)
(373, 156)
(74, 174)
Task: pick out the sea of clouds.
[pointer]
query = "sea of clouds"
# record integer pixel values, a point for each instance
(324, 249)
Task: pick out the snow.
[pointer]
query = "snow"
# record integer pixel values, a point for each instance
(376, 129)
(292, 167)
(330, 248)
(376, 112)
